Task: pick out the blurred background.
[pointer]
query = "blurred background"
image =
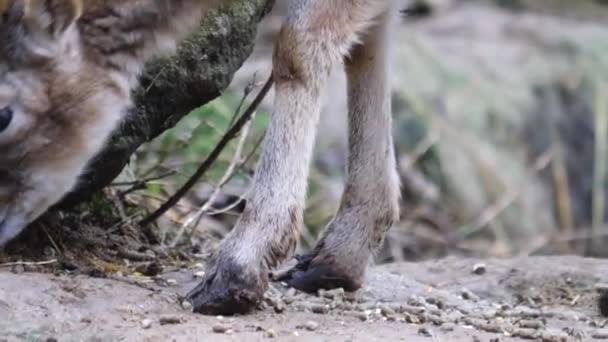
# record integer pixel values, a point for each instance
(500, 122)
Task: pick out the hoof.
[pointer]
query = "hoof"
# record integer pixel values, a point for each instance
(227, 290)
(312, 273)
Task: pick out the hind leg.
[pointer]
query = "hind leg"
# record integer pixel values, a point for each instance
(315, 36)
(369, 204)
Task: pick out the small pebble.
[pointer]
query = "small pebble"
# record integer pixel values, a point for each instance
(435, 319)
(414, 310)
(291, 292)
(361, 315)
(413, 319)
(18, 269)
(600, 334)
(531, 324)
(416, 301)
(170, 320)
(479, 269)
(289, 300)
(186, 305)
(277, 304)
(149, 269)
(448, 327)
(146, 323)
(220, 328)
(490, 327)
(530, 334)
(366, 306)
(270, 333)
(311, 326)
(334, 294)
(526, 312)
(200, 274)
(319, 308)
(387, 310)
(549, 336)
(423, 331)
(468, 295)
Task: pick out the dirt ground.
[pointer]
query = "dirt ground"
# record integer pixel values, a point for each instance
(454, 299)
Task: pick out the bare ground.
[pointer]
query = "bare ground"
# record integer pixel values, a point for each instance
(537, 298)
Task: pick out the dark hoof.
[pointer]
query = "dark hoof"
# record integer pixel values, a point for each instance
(227, 290)
(312, 273)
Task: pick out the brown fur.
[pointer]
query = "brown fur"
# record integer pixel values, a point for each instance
(66, 70)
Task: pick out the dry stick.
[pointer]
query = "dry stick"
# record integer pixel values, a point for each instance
(231, 206)
(193, 221)
(248, 89)
(599, 169)
(143, 182)
(28, 263)
(206, 165)
(559, 172)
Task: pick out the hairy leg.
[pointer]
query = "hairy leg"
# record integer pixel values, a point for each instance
(369, 204)
(316, 35)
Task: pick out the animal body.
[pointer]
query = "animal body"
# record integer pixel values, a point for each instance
(66, 71)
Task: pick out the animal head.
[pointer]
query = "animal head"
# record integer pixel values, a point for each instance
(53, 108)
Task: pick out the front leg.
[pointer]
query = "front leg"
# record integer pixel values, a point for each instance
(267, 231)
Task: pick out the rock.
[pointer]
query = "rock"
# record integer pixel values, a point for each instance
(386, 310)
(319, 308)
(18, 269)
(221, 328)
(423, 331)
(150, 269)
(186, 305)
(532, 324)
(146, 323)
(468, 295)
(479, 268)
(166, 320)
(270, 333)
(600, 334)
(311, 326)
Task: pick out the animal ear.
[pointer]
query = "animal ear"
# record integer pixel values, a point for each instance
(53, 17)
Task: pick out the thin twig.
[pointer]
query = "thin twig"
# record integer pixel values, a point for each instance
(230, 206)
(143, 181)
(206, 165)
(28, 263)
(599, 169)
(193, 221)
(559, 172)
(248, 89)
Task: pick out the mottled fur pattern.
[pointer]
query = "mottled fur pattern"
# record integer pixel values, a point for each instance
(66, 70)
